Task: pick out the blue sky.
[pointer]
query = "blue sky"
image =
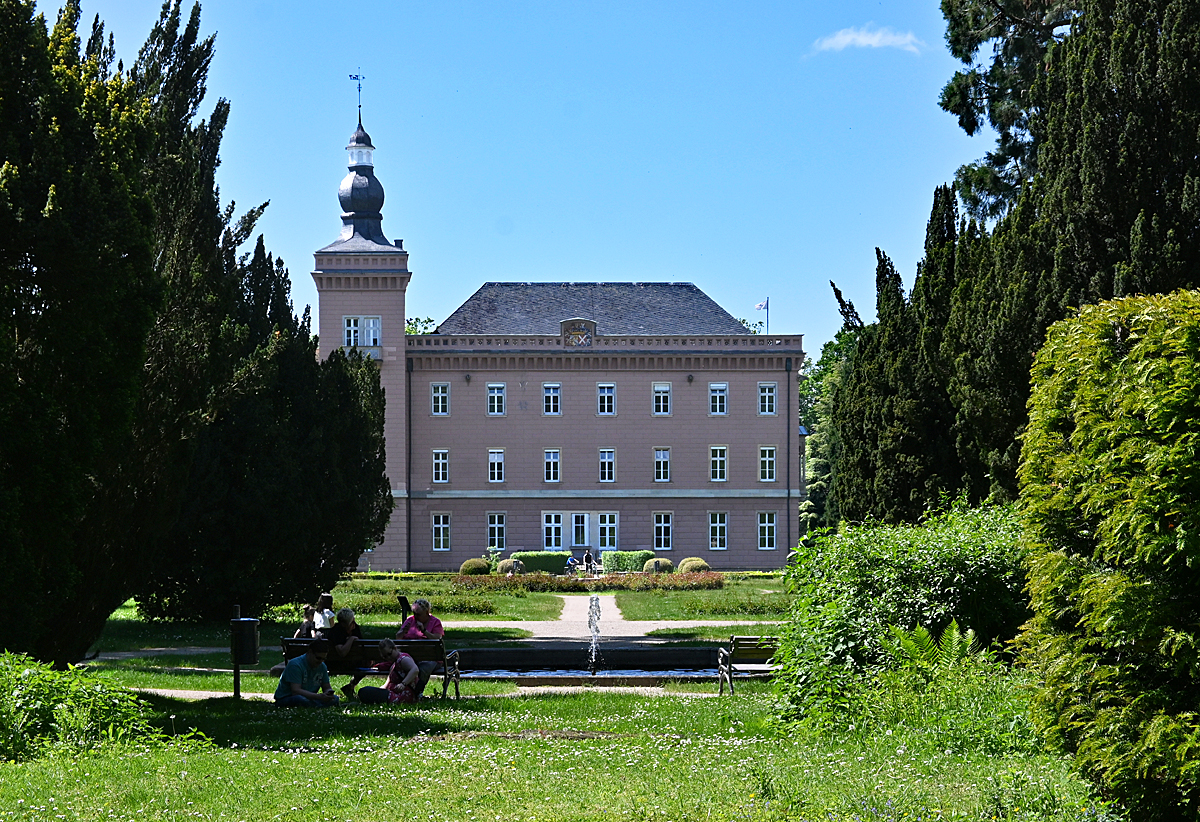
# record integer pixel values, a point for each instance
(755, 149)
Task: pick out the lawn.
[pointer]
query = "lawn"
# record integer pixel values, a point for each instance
(595, 755)
(754, 599)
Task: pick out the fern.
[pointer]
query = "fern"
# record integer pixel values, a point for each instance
(918, 651)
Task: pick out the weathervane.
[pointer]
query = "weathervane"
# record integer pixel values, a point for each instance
(359, 77)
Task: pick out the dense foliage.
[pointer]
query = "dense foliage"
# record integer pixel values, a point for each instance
(143, 362)
(43, 710)
(852, 587)
(618, 561)
(551, 562)
(559, 584)
(1111, 489)
(474, 566)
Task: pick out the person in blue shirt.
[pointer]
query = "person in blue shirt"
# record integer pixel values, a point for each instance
(305, 680)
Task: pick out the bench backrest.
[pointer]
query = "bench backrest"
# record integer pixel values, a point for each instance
(365, 651)
(748, 648)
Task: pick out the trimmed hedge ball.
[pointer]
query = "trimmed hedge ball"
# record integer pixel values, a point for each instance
(693, 565)
(475, 566)
(658, 565)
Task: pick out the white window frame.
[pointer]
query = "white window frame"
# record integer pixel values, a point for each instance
(497, 404)
(495, 465)
(552, 399)
(718, 463)
(718, 399)
(609, 463)
(718, 530)
(580, 521)
(552, 465)
(606, 399)
(660, 399)
(768, 537)
(441, 459)
(766, 463)
(767, 399)
(497, 530)
(662, 464)
(608, 531)
(440, 527)
(552, 526)
(439, 399)
(663, 522)
(362, 331)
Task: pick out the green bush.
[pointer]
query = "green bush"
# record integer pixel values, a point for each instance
(1110, 477)
(551, 562)
(851, 587)
(504, 566)
(42, 709)
(630, 582)
(693, 565)
(475, 566)
(613, 562)
(658, 565)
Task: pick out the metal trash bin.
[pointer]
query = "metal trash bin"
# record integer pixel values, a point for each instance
(243, 641)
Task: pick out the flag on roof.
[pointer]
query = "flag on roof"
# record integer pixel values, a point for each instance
(763, 304)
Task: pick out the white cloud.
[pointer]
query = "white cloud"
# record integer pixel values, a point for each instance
(869, 37)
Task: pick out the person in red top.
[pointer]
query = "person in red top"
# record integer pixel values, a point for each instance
(401, 681)
(422, 625)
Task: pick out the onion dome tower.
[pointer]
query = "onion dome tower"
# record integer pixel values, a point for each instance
(361, 278)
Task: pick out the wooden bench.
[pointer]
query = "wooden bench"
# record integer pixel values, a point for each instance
(746, 655)
(365, 652)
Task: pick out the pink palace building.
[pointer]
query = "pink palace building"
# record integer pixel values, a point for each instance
(565, 416)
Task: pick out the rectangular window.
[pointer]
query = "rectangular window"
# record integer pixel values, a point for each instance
(662, 531)
(441, 466)
(439, 399)
(608, 465)
(551, 461)
(766, 530)
(606, 399)
(441, 532)
(496, 532)
(717, 395)
(766, 398)
(608, 532)
(716, 463)
(550, 398)
(718, 535)
(662, 464)
(552, 529)
(496, 465)
(662, 399)
(361, 331)
(495, 407)
(579, 529)
(766, 463)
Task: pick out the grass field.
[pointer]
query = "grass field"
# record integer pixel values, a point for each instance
(547, 757)
(755, 598)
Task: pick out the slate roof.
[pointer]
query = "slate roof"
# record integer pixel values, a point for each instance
(618, 308)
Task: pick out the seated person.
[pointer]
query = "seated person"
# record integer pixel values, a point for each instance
(401, 681)
(572, 565)
(305, 631)
(422, 625)
(323, 615)
(342, 636)
(305, 680)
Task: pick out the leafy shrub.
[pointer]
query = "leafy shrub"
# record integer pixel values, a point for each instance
(552, 562)
(964, 564)
(43, 709)
(1111, 507)
(613, 562)
(693, 564)
(658, 565)
(541, 583)
(510, 565)
(475, 566)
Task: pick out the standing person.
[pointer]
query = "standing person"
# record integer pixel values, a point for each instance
(305, 631)
(589, 562)
(342, 637)
(323, 618)
(305, 680)
(401, 681)
(422, 625)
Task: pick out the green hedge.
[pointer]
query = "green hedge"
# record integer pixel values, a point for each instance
(617, 561)
(1110, 479)
(465, 585)
(965, 565)
(551, 562)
